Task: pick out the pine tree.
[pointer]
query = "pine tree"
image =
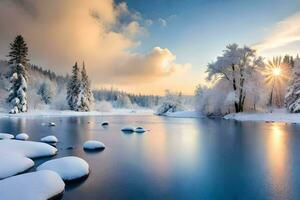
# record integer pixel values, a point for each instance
(18, 51)
(85, 95)
(18, 75)
(292, 97)
(73, 88)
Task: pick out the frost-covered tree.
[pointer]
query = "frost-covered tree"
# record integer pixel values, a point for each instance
(46, 92)
(292, 97)
(18, 75)
(236, 65)
(85, 97)
(73, 88)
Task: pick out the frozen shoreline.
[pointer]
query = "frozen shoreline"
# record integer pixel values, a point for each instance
(68, 113)
(280, 116)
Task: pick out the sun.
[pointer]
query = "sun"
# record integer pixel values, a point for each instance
(276, 71)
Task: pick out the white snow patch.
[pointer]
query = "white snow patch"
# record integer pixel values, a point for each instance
(6, 136)
(50, 139)
(27, 148)
(39, 185)
(69, 168)
(276, 116)
(22, 136)
(12, 164)
(93, 145)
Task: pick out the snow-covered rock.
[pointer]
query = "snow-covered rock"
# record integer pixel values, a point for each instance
(52, 124)
(12, 164)
(139, 130)
(50, 139)
(39, 185)
(93, 145)
(27, 148)
(6, 136)
(128, 129)
(69, 168)
(22, 136)
(105, 123)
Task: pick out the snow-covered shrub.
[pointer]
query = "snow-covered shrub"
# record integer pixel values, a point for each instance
(169, 106)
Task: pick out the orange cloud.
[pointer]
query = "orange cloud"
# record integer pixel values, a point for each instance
(100, 32)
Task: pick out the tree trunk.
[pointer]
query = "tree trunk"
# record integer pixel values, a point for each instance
(236, 105)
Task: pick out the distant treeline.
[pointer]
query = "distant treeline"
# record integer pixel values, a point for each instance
(114, 95)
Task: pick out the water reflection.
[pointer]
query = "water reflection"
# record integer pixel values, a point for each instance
(278, 160)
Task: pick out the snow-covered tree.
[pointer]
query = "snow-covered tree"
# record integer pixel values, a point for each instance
(236, 65)
(172, 102)
(46, 92)
(85, 97)
(18, 75)
(73, 88)
(292, 97)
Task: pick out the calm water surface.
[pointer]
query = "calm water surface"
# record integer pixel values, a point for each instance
(177, 158)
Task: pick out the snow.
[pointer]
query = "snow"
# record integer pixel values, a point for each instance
(93, 145)
(128, 129)
(275, 117)
(184, 114)
(27, 148)
(68, 113)
(12, 164)
(49, 139)
(139, 130)
(22, 136)
(39, 185)
(52, 124)
(69, 168)
(5, 136)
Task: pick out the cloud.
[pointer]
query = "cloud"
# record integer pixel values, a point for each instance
(285, 33)
(100, 32)
(159, 62)
(162, 22)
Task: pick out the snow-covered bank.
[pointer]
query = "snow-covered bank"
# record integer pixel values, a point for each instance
(275, 116)
(69, 113)
(184, 114)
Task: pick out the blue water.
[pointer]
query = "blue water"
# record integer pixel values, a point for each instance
(176, 158)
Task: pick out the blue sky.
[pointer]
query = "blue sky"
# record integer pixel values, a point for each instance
(197, 31)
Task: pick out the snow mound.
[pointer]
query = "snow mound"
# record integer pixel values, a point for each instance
(93, 145)
(69, 168)
(39, 185)
(6, 136)
(128, 129)
(139, 130)
(12, 164)
(52, 124)
(50, 139)
(27, 148)
(22, 136)
(105, 123)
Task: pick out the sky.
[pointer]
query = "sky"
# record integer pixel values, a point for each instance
(143, 46)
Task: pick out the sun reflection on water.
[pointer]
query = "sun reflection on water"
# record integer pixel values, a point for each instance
(277, 160)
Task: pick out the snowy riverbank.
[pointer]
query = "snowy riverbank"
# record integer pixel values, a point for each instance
(277, 116)
(68, 113)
